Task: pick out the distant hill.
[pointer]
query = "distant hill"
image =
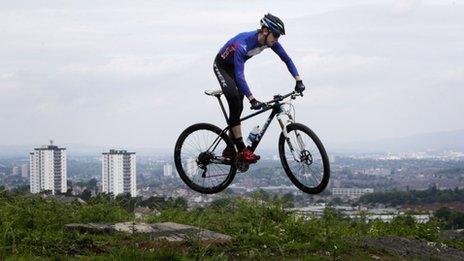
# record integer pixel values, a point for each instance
(446, 140)
(24, 150)
(15, 150)
(79, 150)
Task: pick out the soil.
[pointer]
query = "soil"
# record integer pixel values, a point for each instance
(412, 248)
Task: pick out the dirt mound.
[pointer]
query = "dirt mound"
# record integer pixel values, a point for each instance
(413, 248)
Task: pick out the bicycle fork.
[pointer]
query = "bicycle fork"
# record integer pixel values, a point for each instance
(283, 125)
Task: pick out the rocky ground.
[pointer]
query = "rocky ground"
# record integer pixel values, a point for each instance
(411, 248)
(169, 232)
(381, 248)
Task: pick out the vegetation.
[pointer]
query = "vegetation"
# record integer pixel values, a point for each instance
(431, 195)
(450, 219)
(32, 227)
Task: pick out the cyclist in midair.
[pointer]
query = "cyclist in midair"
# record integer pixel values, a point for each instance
(229, 69)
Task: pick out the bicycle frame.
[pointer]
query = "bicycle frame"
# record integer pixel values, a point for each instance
(276, 110)
(204, 150)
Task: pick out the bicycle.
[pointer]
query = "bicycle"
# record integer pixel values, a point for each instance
(201, 165)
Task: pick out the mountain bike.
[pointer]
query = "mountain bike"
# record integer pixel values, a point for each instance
(199, 160)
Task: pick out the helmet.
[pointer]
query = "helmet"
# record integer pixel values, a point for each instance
(273, 23)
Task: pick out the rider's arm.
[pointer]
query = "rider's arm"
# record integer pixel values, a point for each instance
(239, 62)
(279, 50)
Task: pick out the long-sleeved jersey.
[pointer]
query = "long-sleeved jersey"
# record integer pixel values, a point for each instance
(244, 46)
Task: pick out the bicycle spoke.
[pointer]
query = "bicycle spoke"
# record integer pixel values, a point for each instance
(195, 146)
(307, 172)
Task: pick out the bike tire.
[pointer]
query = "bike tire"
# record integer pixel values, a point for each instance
(294, 127)
(181, 170)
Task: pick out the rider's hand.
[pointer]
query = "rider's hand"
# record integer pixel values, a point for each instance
(299, 87)
(255, 104)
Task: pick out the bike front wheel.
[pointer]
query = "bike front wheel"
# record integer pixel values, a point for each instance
(199, 159)
(304, 159)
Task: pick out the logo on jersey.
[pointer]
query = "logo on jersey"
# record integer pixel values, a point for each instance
(227, 51)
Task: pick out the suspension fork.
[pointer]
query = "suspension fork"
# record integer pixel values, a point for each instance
(298, 136)
(283, 126)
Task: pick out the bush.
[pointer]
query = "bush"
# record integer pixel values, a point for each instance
(261, 228)
(33, 225)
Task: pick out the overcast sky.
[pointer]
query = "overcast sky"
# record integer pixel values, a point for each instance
(132, 73)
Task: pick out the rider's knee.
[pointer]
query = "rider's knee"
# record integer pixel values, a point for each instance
(233, 121)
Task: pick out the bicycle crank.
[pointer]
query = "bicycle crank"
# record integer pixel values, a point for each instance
(243, 166)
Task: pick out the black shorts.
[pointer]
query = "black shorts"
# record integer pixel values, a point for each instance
(225, 74)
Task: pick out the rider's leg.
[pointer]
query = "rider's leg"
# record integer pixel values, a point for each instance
(245, 154)
(235, 110)
(226, 77)
(236, 131)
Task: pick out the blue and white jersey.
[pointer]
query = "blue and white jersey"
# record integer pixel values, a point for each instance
(244, 46)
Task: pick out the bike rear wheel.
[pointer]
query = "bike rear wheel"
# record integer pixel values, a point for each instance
(304, 159)
(199, 160)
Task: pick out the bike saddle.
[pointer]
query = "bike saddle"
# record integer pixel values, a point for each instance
(216, 93)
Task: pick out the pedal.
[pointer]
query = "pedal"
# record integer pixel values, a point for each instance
(243, 166)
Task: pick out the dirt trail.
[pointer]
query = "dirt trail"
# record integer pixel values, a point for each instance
(413, 248)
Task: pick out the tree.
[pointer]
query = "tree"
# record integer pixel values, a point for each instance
(69, 192)
(101, 198)
(222, 203)
(92, 184)
(86, 195)
(288, 199)
(154, 203)
(46, 192)
(127, 202)
(21, 190)
(260, 194)
(180, 203)
(336, 201)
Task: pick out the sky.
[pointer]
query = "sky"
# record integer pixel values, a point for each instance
(132, 74)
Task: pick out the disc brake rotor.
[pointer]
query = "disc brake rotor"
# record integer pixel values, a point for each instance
(306, 157)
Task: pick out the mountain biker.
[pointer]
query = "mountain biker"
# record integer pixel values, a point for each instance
(228, 67)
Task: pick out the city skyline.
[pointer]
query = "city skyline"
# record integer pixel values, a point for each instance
(439, 141)
(48, 169)
(119, 172)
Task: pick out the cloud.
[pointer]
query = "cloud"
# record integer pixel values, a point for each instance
(454, 75)
(134, 66)
(92, 71)
(342, 65)
(402, 7)
(6, 76)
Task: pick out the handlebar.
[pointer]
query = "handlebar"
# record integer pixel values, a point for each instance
(278, 98)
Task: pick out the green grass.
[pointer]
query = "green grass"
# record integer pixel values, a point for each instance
(31, 228)
(264, 229)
